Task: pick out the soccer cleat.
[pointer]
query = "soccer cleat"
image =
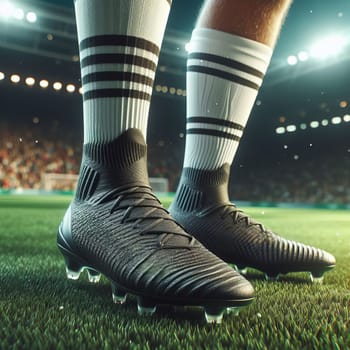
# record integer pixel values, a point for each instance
(202, 207)
(116, 226)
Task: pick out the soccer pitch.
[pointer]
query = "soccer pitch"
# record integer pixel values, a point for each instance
(41, 309)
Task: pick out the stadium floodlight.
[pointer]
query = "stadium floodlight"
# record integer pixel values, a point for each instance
(324, 122)
(57, 85)
(291, 128)
(6, 9)
(44, 83)
(2, 76)
(31, 17)
(280, 130)
(303, 56)
(314, 124)
(303, 126)
(292, 60)
(346, 118)
(70, 88)
(80, 90)
(30, 81)
(336, 120)
(15, 78)
(329, 46)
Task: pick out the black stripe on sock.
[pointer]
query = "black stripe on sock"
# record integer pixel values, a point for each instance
(118, 59)
(226, 62)
(119, 40)
(211, 132)
(224, 75)
(117, 76)
(215, 121)
(100, 93)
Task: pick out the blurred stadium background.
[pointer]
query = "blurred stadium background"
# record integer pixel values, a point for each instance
(296, 148)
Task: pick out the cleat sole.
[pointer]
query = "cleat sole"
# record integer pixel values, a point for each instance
(147, 305)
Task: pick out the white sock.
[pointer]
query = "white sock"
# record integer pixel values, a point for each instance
(119, 43)
(224, 73)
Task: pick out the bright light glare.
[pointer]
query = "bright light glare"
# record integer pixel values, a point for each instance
(6, 9)
(18, 13)
(31, 17)
(324, 122)
(303, 56)
(30, 81)
(336, 120)
(15, 78)
(2, 76)
(346, 118)
(330, 46)
(44, 83)
(291, 128)
(292, 60)
(57, 85)
(70, 88)
(314, 124)
(303, 126)
(280, 130)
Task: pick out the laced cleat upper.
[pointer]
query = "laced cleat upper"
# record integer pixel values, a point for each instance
(116, 225)
(202, 206)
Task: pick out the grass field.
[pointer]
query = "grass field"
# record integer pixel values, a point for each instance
(41, 309)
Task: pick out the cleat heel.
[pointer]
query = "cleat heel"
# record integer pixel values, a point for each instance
(119, 295)
(93, 276)
(146, 306)
(214, 314)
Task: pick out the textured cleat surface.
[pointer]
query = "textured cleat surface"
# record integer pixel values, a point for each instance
(116, 226)
(202, 207)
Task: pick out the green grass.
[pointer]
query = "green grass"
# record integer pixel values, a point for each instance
(41, 309)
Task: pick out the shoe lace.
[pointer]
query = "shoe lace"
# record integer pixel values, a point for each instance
(142, 197)
(238, 216)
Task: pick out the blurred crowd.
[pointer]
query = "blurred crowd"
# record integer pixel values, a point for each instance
(26, 154)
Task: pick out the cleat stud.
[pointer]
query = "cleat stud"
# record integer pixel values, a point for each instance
(146, 306)
(214, 314)
(73, 275)
(73, 267)
(316, 278)
(233, 311)
(240, 269)
(94, 276)
(272, 277)
(119, 299)
(118, 294)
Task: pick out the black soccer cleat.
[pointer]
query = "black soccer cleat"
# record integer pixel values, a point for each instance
(115, 226)
(203, 208)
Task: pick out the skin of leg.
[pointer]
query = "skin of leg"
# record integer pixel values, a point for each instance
(258, 20)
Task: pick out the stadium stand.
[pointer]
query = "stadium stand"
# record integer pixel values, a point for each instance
(25, 154)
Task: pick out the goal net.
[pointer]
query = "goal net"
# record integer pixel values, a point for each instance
(68, 182)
